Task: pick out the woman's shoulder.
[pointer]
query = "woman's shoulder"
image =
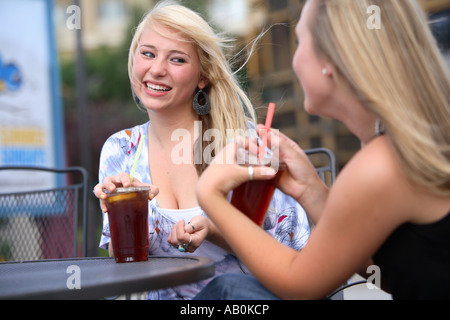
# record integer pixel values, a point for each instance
(376, 161)
(375, 177)
(373, 174)
(130, 133)
(124, 140)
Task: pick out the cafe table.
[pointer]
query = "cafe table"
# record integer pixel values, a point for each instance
(98, 278)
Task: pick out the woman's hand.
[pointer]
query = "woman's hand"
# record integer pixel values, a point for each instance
(226, 173)
(197, 228)
(200, 228)
(298, 177)
(110, 184)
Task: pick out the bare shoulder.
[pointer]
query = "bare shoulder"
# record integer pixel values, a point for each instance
(375, 178)
(377, 163)
(375, 175)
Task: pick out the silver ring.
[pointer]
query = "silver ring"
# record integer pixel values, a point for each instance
(193, 228)
(183, 247)
(251, 172)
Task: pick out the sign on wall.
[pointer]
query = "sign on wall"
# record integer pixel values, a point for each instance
(31, 121)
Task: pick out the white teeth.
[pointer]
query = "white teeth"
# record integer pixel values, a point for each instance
(157, 87)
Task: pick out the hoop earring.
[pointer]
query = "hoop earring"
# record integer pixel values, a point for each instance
(201, 103)
(136, 98)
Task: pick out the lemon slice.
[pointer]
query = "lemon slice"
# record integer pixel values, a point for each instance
(120, 197)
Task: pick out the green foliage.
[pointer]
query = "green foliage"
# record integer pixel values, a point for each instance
(108, 75)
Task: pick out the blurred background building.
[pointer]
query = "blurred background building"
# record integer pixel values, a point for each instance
(272, 79)
(106, 27)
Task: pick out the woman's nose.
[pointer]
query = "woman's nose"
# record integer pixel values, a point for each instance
(158, 68)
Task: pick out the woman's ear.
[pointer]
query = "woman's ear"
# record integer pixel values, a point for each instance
(203, 83)
(328, 70)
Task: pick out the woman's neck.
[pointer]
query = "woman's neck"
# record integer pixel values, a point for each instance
(360, 121)
(167, 128)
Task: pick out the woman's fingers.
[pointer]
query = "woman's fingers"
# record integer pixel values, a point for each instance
(111, 183)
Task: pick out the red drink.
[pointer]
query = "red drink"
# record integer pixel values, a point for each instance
(253, 198)
(128, 223)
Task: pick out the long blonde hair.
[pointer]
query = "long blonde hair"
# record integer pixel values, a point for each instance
(398, 72)
(231, 109)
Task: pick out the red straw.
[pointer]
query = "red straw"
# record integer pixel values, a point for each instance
(269, 118)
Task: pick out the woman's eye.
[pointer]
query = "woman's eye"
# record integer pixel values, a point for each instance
(148, 54)
(178, 60)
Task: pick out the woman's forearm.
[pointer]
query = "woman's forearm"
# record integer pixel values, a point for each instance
(313, 202)
(215, 237)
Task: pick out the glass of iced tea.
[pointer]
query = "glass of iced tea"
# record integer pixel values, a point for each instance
(128, 223)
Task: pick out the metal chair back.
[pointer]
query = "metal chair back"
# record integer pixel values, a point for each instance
(324, 161)
(42, 220)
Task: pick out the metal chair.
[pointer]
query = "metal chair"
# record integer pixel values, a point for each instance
(42, 220)
(324, 161)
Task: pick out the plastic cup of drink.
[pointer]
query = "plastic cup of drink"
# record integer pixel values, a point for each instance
(253, 197)
(128, 223)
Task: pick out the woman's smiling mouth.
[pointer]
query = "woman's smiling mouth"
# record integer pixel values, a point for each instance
(157, 88)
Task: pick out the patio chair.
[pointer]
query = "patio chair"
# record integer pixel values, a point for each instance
(324, 161)
(43, 216)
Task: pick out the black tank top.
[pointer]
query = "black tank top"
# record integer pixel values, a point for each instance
(415, 261)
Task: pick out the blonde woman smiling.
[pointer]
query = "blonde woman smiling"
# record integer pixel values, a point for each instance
(181, 77)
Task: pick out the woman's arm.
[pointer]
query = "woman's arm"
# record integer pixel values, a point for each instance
(356, 219)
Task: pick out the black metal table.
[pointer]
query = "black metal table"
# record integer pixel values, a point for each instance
(96, 278)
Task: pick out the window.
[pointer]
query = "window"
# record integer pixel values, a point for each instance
(315, 142)
(278, 4)
(283, 92)
(284, 120)
(281, 47)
